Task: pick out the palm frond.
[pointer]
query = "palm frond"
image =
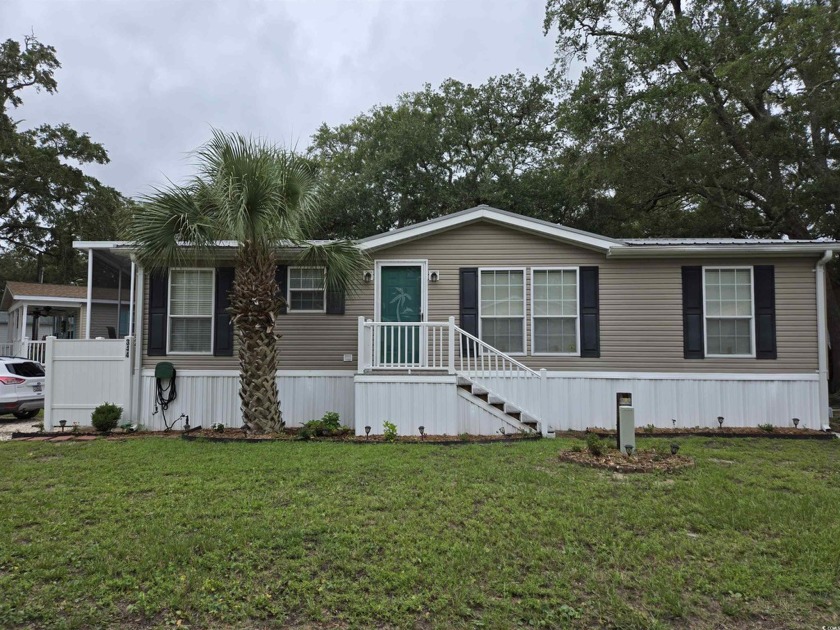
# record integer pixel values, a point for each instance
(344, 261)
(246, 190)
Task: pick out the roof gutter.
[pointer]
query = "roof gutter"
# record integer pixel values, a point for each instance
(739, 251)
(822, 336)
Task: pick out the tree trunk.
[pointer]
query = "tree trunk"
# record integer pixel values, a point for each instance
(254, 306)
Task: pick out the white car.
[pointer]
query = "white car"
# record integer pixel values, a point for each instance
(21, 387)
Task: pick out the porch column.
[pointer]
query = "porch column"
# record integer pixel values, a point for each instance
(89, 293)
(131, 303)
(119, 301)
(23, 322)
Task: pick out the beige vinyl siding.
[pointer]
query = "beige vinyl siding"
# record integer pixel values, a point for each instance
(640, 307)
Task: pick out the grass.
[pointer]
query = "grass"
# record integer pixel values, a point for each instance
(160, 532)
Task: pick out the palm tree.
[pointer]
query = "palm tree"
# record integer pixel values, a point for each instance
(263, 198)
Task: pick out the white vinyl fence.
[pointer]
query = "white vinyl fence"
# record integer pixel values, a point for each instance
(84, 373)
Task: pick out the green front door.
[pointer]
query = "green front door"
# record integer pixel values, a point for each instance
(401, 300)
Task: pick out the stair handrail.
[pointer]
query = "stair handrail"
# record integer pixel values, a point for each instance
(496, 351)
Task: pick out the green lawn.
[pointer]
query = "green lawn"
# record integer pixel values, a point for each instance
(161, 532)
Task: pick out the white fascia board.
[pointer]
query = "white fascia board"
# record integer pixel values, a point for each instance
(523, 223)
(734, 251)
(37, 300)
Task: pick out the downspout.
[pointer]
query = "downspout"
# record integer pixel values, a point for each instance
(138, 343)
(822, 336)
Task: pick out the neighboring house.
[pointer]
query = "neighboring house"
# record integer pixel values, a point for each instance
(59, 310)
(692, 328)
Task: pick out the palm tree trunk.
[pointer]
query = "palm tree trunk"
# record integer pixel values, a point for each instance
(254, 306)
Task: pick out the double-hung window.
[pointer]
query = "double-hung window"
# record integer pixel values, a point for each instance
(191, 311)
(307, 290)
(502, 309)
(554, 311)
(728, 311)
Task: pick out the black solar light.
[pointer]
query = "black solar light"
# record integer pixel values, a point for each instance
(629, 449)
(422, 430)
(675, 448)
(796, 423)
(674, 422)
(720, 421)
(62, 424)
(367, 431)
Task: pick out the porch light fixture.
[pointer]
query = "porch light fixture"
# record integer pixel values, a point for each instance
(368, 277)
(720, 422)
(796, 423)
(434, 276)
(367, 431)
(62, 424)
(422, 430)
(674, 448)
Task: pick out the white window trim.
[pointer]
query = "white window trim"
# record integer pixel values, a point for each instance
(577, 314)
(524, 307)
(752, 314)
(169, 315)
(289, 290)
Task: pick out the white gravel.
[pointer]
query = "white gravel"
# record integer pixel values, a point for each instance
(10, 424)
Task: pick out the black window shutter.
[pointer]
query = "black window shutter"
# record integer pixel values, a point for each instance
(764, 295)
(158, 299)
(590, 317)
(468, 308)
(692, 297)
(335, 302)
(281, 276)
(223, 332)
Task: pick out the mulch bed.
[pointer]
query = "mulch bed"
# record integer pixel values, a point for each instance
(639, 462)
(788, 433)
(237, 435)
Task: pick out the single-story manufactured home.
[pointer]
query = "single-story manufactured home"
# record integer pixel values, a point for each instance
(485, 321)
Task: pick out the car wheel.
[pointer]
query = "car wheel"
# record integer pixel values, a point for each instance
(26, 415)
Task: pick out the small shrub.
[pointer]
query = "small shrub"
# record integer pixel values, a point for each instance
(218, 427)
(766, 427)
(464, 437)
(106, 417)
(649, 428)
(577, 448)
(390, 431)
(331, 421)
(328, 425)
(594, 444)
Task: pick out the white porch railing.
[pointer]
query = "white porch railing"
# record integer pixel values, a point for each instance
(36, 351)
(26, 349)
(406, 346)
(443, 346)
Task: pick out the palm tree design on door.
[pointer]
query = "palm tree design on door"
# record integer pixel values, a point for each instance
(400, 300)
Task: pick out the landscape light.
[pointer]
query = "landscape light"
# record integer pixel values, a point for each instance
(367, 431)
(720, 421)
(796, 423)
(674, 448)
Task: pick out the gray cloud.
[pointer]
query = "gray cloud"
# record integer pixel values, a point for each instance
(148, 78)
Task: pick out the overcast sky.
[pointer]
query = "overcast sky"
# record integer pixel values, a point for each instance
(148, 78)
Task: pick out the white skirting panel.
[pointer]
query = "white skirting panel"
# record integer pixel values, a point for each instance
(409, 402)
(579, 401)
(210, 396)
